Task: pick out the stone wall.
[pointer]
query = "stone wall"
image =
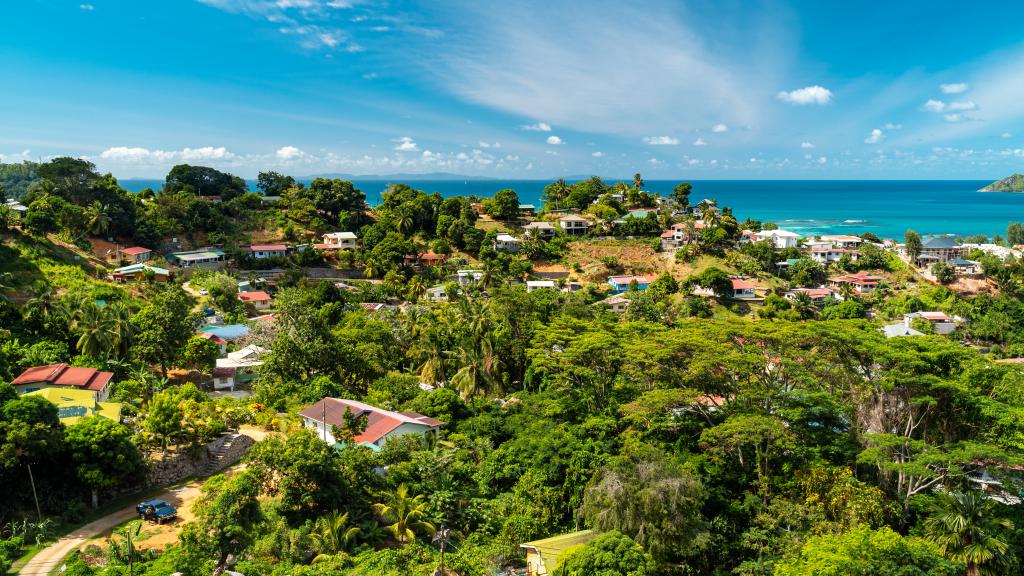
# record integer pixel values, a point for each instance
(197, 462)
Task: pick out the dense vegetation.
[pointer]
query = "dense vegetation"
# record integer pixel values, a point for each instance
(696, 433)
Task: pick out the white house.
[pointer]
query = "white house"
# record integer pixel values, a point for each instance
(380, 424)
(436, 294)
(781, 238)
(817, 295)
(573, 224)
(466, 277)
(941, 322)
(827, 255)
(263, 251)
(259, 300)
(532, 285)
(617, 303)
(237, 367)
(742, 289)
(540, 228)
(507, 243)
(843, 241)
(339, 241)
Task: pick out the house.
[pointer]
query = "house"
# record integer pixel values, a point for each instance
(436, 294)
(742, 289)
(617, 303)
(704, 207)
(207, 258)
(425, 259)
(1001, 252)
(135, 254)
(63, 376)
(938, 248)
(747, 237)
(621, 284)
(527, 210)
(381, 425)
(507, 243)
(832, 254)
(843, 241)
(139, 271)
(542, 555)
(227, 332)
(73, 405)
(338, 241)
(574, 224)
(467, 277)
(17, 207)
(238, 367)
(813, 244)
(264, 251)
(817, 295)
(780, 238)
(532, 285)
(220, 342)
(372, 307)
(683, 232)
(942, 324)
(899, 329)
(965, 267)
(861, 282)
(540, 228)
(258, 300)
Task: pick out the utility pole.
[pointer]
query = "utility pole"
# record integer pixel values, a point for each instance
(324, 417)
(32, 481)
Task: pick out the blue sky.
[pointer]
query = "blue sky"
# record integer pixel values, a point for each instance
(517, 89)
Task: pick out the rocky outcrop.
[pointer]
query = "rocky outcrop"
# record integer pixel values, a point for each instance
(1013, 183)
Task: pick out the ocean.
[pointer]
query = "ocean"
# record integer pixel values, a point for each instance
(887, 208)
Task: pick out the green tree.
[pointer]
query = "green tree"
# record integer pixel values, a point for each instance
(504, 205)
(867, 552)
(913, 245)
(102, 454)
(1015, 233)
(163, 327)
(967, 530)
(717, 281)
(332, 534)
(226, 516)
(405, 513)
(97, 329)
(204, 181)
(164, 418)
(609, 554)
(681, 194)
(274, 184)
(943, 273)
(200, 354)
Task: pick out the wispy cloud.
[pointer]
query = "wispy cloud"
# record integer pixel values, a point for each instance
(538, 127)
(955, 88)
(719, 128)
(806, 96)
(699, 142)
(875, 136)
(806, 145)
(554, 140)
(661, 140)
(87, 7)
(406, 144)
(597, 154)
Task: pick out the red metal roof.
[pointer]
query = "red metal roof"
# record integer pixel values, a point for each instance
(268, 248)
(212, 337)
(741, 284)
(379, 422)
(134, 250)
(64, 375)
(254, 296)
(935, 316)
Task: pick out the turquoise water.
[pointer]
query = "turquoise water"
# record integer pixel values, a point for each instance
(885, 207)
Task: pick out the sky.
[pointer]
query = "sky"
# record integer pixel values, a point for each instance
(517, 89)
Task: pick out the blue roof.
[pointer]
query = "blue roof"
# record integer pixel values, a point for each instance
(939, 242)
(229, 332)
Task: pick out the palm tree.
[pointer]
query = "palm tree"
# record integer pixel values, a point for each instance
(97, 218)
(804, 306)
(332, 534)
(477, 374)
(967, 532)
(414, 288)
(430, 353)
(97, 330)
(120, 317)
(638, 182)
(406, 514)
(405, 222)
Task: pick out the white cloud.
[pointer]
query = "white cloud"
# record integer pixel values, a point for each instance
(661, 140)
(806, 145)
(940, 106)
(654, 161)
(1006, 135)
(140, 155)
(289, 153)
(803, 96)
(954, 117)
(597, 154)
(483, 144)
(406, 144)
(538, 127)
(891, 126)
(554, 140)
(875, 137)
(822, 160)
(955, 88)
(699, 142)
(87, 7)
(934, 105)
(719, 128)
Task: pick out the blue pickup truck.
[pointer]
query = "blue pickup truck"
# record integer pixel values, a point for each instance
(157, 511)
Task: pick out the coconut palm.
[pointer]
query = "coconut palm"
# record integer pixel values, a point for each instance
(430, 354)
(120, 316)
(804, 306)
(97, 218)
(97, 331)
(405, 222)
(477, 375)
(405, 513)
(332, 534)
(968, 532)
(415, 288)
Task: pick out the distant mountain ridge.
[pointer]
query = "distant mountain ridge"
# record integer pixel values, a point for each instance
(1013, 183)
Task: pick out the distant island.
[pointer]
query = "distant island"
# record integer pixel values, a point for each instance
(1013, 183)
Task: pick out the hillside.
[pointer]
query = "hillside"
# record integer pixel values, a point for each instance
(1013, 183)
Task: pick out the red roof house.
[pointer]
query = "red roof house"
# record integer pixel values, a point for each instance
(260, 300)
(380, 424)
(62, 375)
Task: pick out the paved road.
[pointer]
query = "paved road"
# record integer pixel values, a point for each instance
(48, 559)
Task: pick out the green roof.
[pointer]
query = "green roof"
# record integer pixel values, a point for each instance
(551, 548)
